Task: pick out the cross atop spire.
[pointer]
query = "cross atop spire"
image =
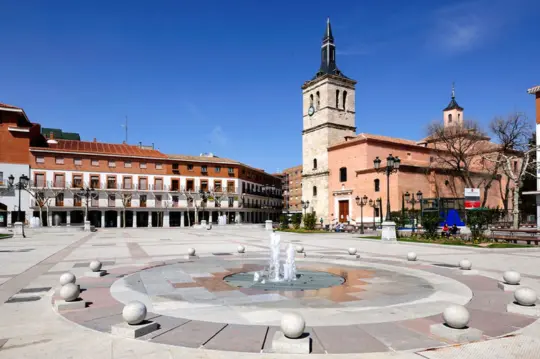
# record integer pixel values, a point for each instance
(453, 90)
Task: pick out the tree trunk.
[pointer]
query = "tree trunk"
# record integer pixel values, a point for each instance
(41, 216)
(124, 218)
(515, 209)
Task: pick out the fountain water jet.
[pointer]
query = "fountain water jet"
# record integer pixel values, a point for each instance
(275, 271)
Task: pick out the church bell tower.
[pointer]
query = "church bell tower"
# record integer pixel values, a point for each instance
(328, 117)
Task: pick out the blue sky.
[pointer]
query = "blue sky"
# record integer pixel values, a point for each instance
(225, 76)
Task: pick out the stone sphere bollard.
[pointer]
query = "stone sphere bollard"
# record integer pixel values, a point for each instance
(67, 278)
(241, 249)
(292, 325)
(95, 266)
(411, 256)
(134, 312)
(69, 292)
(465, 264)
(299, 249)
(525, 296)
(191, 251)
(512, 277)
(352, 251)
(456, 316)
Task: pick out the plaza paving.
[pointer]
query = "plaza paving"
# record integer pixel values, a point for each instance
(383, 310)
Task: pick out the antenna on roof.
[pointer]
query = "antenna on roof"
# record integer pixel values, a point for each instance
(126, 127)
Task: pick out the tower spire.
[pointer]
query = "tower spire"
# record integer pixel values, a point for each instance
(453, 105)
(328, 54)
(328, 32)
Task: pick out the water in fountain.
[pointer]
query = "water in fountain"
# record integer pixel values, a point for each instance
(275, 271)
(289, 268)
(274, 266)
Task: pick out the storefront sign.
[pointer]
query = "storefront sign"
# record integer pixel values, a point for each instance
(472, 198)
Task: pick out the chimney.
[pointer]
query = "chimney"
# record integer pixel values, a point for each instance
(123, 142)
(51, 135)
(95, 139)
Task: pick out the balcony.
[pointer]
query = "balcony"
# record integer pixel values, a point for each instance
(59, 184)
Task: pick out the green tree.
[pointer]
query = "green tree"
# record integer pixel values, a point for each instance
(296, 220)
(310, 219)
(284, 221)
(430, 223)
(478, 220)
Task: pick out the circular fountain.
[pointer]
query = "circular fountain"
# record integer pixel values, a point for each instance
(283, 276)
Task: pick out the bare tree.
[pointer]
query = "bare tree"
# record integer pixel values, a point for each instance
(458, 151)
(514, 156)
(125, 198)
(190, 202)
(42, 196)
(166, 203)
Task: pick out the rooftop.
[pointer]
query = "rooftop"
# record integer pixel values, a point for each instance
(367, 136)
(9, 106)
(100, 148)
(534, 90)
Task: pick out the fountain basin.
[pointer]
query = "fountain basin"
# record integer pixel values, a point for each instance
(305, 280)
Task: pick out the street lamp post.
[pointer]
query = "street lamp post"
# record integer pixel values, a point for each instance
(87, 193)
(305, 206)
(379, 206)
(23, 182)
(392, 166)
(410, 199)
(361, 202)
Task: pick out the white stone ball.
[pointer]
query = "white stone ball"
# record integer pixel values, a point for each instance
(241, 249)
(411, 256)
(352, 251)
(465, 264)
(456, 316)
(525, 296)
(191, 251)
(292, 325)
(134, 312)
(299, 249)
(69, 292)
(67, 278)
(512, 277)
(95, 266)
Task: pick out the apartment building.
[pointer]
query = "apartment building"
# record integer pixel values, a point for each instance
(121, 185)
(291, 184)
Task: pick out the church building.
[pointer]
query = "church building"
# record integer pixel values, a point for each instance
(338, 163)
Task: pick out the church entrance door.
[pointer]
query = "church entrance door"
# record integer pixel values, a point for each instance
(343, 211)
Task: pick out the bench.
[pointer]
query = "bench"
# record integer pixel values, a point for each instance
(509, 236)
